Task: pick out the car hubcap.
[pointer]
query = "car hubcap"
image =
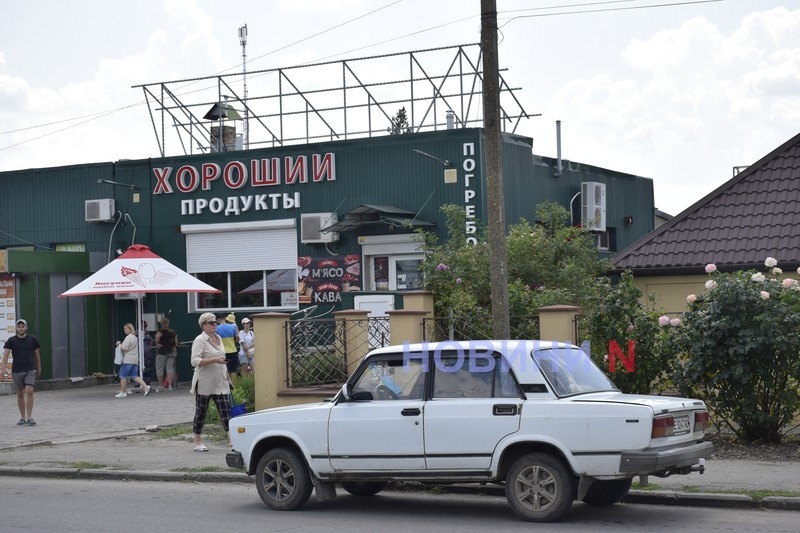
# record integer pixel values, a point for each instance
(279, 480)
(536, 488)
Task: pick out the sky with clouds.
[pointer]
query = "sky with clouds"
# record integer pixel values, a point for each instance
(680, 93)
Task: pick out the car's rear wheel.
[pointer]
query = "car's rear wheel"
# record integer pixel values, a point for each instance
(540, 488)
(603, 493)
(282, 480)
(364, 489)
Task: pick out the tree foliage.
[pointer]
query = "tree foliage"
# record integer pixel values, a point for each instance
(399, 123)
(548, 263)
(619, 317)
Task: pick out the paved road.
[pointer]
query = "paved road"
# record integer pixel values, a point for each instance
(84, 427)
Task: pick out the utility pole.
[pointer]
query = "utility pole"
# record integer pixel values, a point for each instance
(494, 171)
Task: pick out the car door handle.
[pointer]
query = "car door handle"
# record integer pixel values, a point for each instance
(504, 409)
(410, 411)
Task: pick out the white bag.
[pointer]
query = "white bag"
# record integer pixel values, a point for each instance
(118, 355)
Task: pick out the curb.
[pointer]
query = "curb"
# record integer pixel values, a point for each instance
(126, 475)
(717, 500)
(699, 499)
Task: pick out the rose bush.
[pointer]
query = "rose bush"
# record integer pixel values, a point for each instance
(739, 350)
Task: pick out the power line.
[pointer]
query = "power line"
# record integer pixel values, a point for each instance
(609, 9)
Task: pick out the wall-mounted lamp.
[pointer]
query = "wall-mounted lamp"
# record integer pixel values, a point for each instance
(445, 162)
(120, 184)
(628, 220)
(450, 173)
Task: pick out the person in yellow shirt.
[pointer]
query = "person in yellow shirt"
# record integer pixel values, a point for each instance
(228, 332)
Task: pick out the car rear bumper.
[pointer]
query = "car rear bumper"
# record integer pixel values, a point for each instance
(656, 461)
(234, 459)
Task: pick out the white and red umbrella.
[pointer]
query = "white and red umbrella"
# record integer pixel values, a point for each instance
(138, 271)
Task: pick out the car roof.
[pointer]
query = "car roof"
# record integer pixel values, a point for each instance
(479, 345)
(517, 352)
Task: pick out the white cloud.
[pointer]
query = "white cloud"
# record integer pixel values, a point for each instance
(693, 103)
(680, 101)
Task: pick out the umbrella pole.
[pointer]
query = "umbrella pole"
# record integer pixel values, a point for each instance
(141, 336)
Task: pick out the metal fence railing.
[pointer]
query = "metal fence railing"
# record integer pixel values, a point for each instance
(317, 348)
(477, 327)
(316, 353)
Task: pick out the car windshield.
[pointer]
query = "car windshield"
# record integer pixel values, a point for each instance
(570, 371)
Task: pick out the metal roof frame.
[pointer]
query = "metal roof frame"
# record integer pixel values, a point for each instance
(331, 100)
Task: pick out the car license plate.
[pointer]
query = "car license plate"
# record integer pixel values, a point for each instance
(681, 425)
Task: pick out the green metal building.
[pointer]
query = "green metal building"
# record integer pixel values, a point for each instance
(276, 229)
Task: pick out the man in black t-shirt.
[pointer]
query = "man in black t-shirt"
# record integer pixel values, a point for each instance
(27, 366)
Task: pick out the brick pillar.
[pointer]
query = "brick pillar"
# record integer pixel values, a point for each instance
(405, 325)
(269, 366)
(419, 301)
(557, 323)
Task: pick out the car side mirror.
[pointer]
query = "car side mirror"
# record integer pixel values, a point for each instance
(347, 391)
(348, 395)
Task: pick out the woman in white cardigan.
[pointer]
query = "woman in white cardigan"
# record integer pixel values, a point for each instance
(210, 380)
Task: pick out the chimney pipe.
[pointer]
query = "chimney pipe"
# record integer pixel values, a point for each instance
(559, 168)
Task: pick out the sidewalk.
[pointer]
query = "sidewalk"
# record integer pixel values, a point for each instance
(87, 432)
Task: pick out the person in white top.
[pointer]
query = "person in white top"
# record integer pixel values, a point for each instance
(210, 380)
(130, 362)
(246, 347)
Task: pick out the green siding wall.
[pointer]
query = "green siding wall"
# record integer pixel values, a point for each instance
(45, 207)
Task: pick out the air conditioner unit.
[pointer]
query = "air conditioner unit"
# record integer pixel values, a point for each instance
(101, 210)
(311, 225)
(128, 295)
(593, 206)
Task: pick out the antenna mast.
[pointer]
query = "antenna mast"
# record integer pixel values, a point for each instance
(243, 41)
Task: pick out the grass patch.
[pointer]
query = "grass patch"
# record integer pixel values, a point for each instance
(83, 465)
(205, 469)
(757, 495)
(171, 432)
(211, 432)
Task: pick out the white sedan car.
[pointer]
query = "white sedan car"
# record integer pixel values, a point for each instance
(537, 417)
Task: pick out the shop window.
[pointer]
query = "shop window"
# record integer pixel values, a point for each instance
(263, 289)
(395, 272)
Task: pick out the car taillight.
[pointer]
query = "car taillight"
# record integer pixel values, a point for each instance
(663, 426)
(701, 421)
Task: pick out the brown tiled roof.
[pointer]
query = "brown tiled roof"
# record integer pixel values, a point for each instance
(753, 216)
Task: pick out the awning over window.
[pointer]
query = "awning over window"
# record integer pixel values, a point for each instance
(376, 214)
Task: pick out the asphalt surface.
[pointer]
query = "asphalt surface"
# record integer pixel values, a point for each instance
(86, 432)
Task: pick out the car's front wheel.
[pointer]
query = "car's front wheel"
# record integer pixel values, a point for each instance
(364, 489)
(540, 488)
(282, 480)
(603, 493)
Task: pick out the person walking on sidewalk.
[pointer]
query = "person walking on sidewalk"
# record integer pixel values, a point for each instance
(210, 380)
(229, 333)
(149, 360)
(166, 354)
(246, 348)
(27, 366)
(130, 362)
